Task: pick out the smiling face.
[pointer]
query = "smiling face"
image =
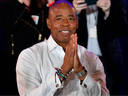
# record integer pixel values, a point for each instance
(62, 22)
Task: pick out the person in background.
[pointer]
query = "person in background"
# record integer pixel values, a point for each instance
(127, 12)
(59, 66)
(22, 24)
(100, 25)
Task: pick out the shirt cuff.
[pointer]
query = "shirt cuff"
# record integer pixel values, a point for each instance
(89, 82)
(54, 83)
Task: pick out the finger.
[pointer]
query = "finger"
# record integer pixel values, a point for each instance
(71, 40)
(103, 3)
(70, 46)
(78, 1)
(103, 6)
(69, 54)
(81, 7)
(77, 4)
(75, 40)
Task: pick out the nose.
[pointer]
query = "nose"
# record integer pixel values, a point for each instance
(65, 22)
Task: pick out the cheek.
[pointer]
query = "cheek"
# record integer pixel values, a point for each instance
(55, 25)
(74, 26)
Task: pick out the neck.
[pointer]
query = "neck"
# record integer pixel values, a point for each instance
(63, 46)
(61, 43)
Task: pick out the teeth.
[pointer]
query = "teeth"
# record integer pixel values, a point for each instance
(65, 31)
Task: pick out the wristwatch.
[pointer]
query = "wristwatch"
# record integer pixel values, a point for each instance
(82, 73)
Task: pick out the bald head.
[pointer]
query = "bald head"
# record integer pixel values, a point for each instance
(62, 1)
(58, 3)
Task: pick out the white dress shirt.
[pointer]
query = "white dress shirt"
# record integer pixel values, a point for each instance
(36, 72)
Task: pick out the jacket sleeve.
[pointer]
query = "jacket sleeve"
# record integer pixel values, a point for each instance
(10, 13)
(117, 18)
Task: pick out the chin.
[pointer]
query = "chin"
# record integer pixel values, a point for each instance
(66, 41)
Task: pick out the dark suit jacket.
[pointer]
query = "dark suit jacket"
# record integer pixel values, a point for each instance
(127, 12)
(108, 32)
(16, 20)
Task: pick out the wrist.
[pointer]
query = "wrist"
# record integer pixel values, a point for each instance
(79, 69)
(61, 76)
(81, 78)
(65, 69)
(107, 10)
(64, 72)
(81, 75)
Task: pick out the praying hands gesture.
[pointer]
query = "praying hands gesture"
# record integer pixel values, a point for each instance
(71, 59)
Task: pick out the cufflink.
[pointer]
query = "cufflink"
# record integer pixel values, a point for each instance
(85, 85)
(57, 85)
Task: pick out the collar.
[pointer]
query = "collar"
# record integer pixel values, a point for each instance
(51, 43)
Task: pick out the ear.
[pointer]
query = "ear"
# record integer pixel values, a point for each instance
(48, 23)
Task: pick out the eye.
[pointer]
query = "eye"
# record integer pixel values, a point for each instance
(71, 18)
(58, 19)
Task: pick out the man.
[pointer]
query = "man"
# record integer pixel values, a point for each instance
(100, 25)
(58, 66)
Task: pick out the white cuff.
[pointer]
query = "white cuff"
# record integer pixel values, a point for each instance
(54, 83)
(89, 82)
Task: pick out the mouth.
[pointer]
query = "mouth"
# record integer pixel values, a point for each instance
(65, 31)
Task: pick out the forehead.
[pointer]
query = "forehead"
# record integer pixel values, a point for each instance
(63, 8)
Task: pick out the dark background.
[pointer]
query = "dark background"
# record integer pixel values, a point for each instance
(124, 45)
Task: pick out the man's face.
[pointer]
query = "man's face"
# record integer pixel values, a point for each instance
(62, 22)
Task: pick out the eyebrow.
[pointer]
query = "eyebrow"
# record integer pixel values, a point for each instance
(71, 15)
(68, 15)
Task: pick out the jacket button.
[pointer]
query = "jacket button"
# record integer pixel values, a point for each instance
(57, 85)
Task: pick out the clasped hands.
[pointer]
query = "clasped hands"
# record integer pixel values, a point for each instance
(71, 59)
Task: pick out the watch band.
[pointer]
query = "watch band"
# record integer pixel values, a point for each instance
(82, 73)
